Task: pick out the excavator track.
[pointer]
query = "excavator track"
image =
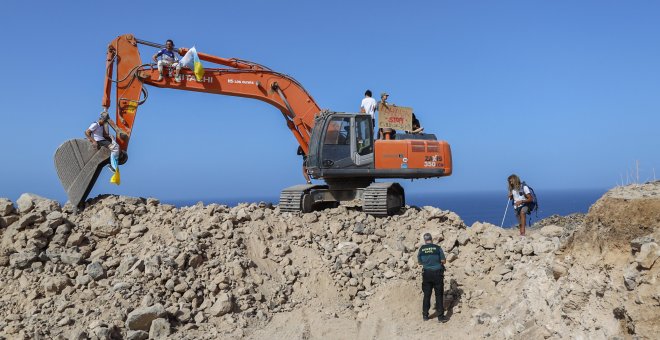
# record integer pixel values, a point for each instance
(383, 199)
(297, 197)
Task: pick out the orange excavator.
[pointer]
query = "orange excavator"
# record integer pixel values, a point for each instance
(340, 148)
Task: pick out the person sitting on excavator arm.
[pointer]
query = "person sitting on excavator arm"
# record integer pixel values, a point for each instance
(169, 59)
(97, 133)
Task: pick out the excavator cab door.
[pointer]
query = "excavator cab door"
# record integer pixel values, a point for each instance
(336, 144)
(347, 142)
(362, 146)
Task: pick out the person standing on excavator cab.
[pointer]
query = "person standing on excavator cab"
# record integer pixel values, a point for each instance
(169, 59)
(97, 133)
(368, 106)
(381, 132)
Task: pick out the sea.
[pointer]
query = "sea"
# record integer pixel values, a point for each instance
(491, 207)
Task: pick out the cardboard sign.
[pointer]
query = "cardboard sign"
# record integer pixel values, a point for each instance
(395, 117)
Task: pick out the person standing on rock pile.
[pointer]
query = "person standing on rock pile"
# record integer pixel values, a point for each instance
(432, 259)
(522, 198)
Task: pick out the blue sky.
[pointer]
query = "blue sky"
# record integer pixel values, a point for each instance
(564, 93)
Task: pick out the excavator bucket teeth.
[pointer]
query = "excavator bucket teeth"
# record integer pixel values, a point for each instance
(78, 165)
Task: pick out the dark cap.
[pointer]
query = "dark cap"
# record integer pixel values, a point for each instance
(104, 116)
(427, 237)
(384, 94)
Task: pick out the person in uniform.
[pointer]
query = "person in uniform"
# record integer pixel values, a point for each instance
(432, 259)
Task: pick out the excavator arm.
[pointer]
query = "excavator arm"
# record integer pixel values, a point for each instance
(239, 78)
(78, 164)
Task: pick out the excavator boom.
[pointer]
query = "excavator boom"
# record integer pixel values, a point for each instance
(240, 78)
(78, 164)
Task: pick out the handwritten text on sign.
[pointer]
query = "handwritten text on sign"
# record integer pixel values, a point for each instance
(395, 117)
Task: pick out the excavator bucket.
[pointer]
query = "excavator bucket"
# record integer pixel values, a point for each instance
(78, 165)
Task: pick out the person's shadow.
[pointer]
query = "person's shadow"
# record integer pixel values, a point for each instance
(451, 298)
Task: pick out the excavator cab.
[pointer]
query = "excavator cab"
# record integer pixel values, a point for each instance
(342, 141)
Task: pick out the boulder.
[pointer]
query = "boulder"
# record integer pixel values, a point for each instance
(559, 270)
(648, 253)
(552, 231)
(54, 285)
(347, 248)
(28, 202)
(450, 241)
(22, 259)
(630, 276)
(141, 318)
(29, 219)
(137, 335)
(25, 203)
(104, 223)
(541, 247)
(637, 243)
(160, 329)
(463, 238)
(488, 240)
(95, 271)
(223, 305)
(71, 256)
(6, 207)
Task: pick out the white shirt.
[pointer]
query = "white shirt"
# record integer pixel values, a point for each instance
(114, 147)
(97, 131)
(517, 197)
(369, 106)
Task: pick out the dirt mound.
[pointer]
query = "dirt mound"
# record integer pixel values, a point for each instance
(622, 215)
(133, 268)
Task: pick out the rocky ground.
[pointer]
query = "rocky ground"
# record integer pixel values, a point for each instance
(133, 268)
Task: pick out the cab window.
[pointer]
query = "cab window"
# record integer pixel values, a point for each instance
(364, 136)
(337, 132)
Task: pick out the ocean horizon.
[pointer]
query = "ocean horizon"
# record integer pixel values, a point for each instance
(487, 206)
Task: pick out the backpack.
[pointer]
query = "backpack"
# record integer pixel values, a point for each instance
(534, 205)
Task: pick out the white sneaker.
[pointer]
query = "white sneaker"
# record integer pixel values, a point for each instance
(177, 79)
(160, 77)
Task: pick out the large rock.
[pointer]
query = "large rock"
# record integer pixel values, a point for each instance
(489, 239)
(71, 256)
(54, 285)
(6, 207)
(105, 223)
(347, 248)
(223, 305)
(27, 202)
(648, 253)
(137, 335)
(540, 247)
(141, 318)
(637, 243)
(160, 329)
(22, 259)
(95, 271)
(630, 276)
(552, 231)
